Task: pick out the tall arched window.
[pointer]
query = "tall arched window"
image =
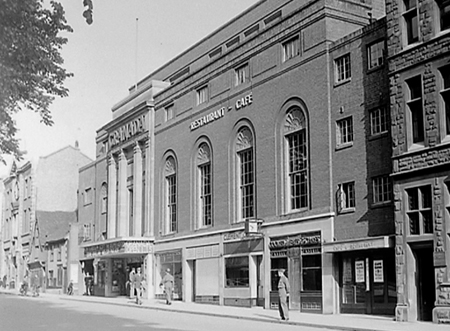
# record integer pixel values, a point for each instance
(170, 175)
(204, 186)
(246, 174)
(296, 157)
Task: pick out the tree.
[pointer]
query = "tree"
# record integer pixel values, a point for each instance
(88, 11)
(31, 72)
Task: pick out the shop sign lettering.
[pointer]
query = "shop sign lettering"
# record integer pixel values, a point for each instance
(118, 247)
(234, 236)
(211, 117)
(296, 241)
(353, 246)
(127, 131)
(136, 247)
(244, 101)
(103, 249)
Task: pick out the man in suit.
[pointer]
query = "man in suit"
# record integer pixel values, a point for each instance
(167, 281)
(139, 286)
(283, 291)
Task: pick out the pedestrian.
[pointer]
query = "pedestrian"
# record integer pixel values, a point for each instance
(283, 291)
(70, 288)
(131, 279)
(139, 286)
(167, 282)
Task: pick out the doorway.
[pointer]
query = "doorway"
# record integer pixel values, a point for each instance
(425, 284)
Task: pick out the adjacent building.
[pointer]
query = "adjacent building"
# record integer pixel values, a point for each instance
(36, 197)
(419, 75)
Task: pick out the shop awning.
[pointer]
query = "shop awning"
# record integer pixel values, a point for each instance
(35, 265)
(358, 244)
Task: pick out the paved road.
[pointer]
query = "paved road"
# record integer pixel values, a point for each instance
(27, 313)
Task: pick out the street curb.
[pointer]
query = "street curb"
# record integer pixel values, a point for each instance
(318, 326)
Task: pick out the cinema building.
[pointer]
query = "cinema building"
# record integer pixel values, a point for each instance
(266, 145)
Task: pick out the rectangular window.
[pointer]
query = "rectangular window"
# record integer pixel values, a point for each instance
(87, 196)
(52, 255)
(346, 198)
(247, 182)
(58, 253)
(419, 210)
(411, 21)
(291, 48)
(379, 121)
(312, 272)
(445, 94)
(202, 95)
(60, 277)
(444, 13)
(242, 75)
(236, 271)
(168, 111)
(416, 108)
(172, 203)
(375, 54)
(382, 189)
(26, 189)
(298, 165)
(206, 194)
(344, 131)
(86, 232)
(342, 68)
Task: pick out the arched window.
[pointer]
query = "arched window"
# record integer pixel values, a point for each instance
(296, 159)
(245, 174)
(204, 185)
(170, 183)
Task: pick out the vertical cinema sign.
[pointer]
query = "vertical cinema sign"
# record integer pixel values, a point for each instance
(127, 131)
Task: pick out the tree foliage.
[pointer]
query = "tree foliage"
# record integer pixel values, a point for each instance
(88, 11)
(31, 72)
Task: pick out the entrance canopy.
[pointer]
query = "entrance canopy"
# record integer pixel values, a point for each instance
(117, 247)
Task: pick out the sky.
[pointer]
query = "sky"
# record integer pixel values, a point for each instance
(109, 56)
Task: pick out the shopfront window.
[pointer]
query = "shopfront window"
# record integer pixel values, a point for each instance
(312, 272)
(236, 271)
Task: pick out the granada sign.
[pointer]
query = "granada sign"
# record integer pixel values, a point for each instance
(127, 131)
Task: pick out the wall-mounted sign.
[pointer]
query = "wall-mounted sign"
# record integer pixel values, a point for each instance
(202, 252)
(127, 131)
(211, 117)
(118, 247)
(303, 240)
(219, 113)
(360, 275)
(244, 101)
(378, 274)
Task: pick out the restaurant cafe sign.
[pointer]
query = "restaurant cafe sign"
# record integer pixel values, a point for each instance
(219, 113)
(127, 131)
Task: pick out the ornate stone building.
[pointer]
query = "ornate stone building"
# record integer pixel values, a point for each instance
(419, 74)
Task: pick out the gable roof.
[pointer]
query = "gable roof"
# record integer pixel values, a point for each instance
(54, 225)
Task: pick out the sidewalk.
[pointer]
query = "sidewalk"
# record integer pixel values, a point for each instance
(345, 322)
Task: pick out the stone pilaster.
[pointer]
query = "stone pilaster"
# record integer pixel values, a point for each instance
(112, 197)
(137, 191)
(122, 217)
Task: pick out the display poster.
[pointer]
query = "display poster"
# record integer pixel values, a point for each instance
(347, 275)
(378, 276)
(359, 272)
